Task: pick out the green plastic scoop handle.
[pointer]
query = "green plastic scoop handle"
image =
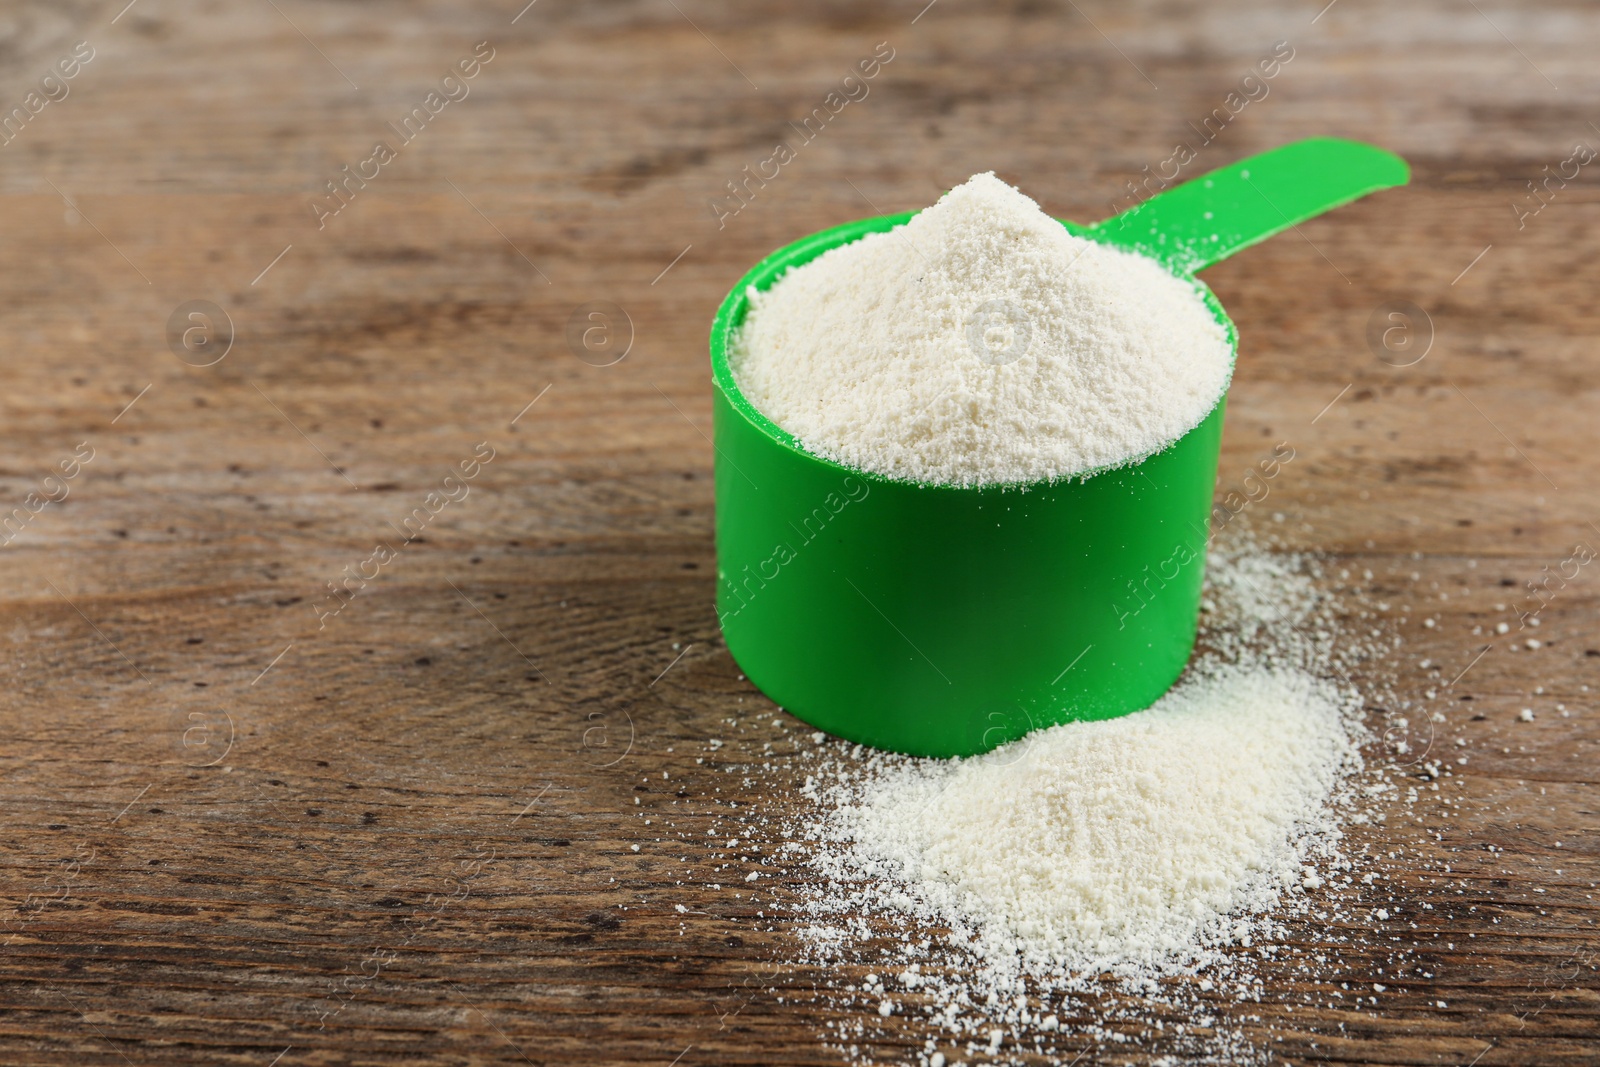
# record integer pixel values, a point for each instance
(1204, 221)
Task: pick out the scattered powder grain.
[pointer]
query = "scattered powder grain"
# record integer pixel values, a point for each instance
(1381, 888)
(981, 343)
(1093, 885)
(1131, 845)
(1384, 885)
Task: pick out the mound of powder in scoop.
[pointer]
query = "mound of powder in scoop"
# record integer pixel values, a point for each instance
(981, 343)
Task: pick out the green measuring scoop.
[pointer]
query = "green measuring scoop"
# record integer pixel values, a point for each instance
(944, 621)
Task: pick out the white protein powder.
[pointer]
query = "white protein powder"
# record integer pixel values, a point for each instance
(1174, 886)
(1096, 883)
(1126, 843)
(981, 343)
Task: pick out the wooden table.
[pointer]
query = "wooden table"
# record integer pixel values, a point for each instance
(242, 827)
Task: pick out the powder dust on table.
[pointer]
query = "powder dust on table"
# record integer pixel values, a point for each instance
(1120, 844)
(1095, 878)
(1129, 845)
(980, 343)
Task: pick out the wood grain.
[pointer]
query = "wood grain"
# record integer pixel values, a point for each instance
(402, 840)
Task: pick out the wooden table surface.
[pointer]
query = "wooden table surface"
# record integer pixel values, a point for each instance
(241, 826)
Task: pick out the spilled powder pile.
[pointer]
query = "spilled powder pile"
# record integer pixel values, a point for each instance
(1098, 883)
(1115, 845)
(1129, 845)
(904, 961)
(981, 343)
